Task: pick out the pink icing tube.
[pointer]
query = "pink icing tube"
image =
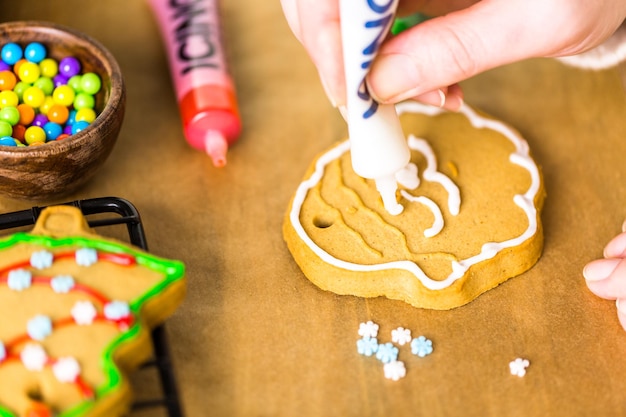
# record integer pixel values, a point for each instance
(204, 88)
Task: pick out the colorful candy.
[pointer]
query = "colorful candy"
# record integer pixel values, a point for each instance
(11, 53)
(35, 52)
(5, 129)
(42, 100)
(7, 80)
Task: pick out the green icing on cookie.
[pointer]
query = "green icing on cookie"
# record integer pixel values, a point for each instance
(171, 270)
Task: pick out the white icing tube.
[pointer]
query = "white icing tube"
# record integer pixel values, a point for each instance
(377, 144)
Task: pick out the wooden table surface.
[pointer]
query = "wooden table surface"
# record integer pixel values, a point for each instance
(255, 338)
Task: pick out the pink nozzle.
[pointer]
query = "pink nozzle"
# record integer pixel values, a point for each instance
(216, 147)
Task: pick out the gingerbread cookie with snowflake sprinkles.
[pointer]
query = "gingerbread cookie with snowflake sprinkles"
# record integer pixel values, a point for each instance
(77, 311)
(472, 222)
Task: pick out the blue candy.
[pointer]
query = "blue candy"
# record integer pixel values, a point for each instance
(11, 53)
(35, 52)
(53, 130)
(78, 126)
(7, 141)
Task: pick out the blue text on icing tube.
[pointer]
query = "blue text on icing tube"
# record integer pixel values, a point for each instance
(383, 22)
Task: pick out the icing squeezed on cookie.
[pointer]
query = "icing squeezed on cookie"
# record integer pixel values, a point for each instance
(519, 157)
(378, 148)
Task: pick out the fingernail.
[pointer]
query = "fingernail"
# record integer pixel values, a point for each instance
(442, 98)
(392, 75)
(434, 98)
(600, 269)
(624, 226)
(617, 304)
(454, 103)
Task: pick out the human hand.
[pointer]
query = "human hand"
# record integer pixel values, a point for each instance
(607, 277)
(428, 61)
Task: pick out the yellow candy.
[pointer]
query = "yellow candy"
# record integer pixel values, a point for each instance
(49, 67)
(34, 134)
(29, 72)
(47, 103)
(85, 114)
(33, 96)
(64, 95)
(8, 98)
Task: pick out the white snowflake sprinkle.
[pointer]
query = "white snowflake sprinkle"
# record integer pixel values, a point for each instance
(33, 357)
(368, 330)
(395, 370)
(116, 310)
(401, 336)
(84, 312)
(66, 369)
(518, 367)
(41, 259)
(86, 256)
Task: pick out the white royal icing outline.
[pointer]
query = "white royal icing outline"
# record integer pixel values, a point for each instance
(525, 201)
(432, 175)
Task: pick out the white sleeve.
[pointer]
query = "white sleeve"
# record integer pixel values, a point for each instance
(606, 55)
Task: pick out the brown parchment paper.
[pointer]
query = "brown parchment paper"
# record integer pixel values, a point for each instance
(255, 338)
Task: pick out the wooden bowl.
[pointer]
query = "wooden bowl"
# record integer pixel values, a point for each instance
(58, 168)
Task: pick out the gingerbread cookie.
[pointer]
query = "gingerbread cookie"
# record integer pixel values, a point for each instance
(472, 222)
(78, 309)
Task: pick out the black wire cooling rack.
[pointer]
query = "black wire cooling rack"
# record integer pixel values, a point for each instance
(105, 209)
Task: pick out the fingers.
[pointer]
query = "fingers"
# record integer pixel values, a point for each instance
(432, 7)
(451, 48)
(607, 277)
(467, 38)
(613, 286)
(617, 246)
(315, 23)
(450, 98)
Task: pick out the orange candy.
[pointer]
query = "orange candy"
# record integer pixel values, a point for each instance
(27, 114)
(17, 65)
(58, 113)
(7, 80)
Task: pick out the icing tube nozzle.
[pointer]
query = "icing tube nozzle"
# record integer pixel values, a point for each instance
(378, 147)
(387, 187)
(216, 147)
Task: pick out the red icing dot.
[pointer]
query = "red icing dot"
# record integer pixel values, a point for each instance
(124, 323)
